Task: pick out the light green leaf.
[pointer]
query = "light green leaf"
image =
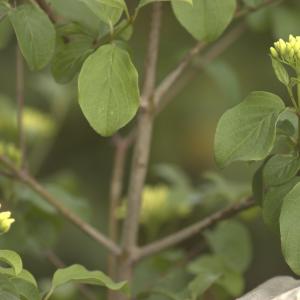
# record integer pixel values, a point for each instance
(108, 89)
(289, 228)
(24, 275)
(247, 131)
(145, 2)
(79, 274)
(109, 14)
(8, 296)
(252, 3)
(25, 289)
(206, 19)
(231, 241)
(12, 259)
(280, 169)
(35, 34)
(272, 203)
(280, 72)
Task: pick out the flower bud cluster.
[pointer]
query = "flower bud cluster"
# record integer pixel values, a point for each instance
(288, 52)
(5, 221)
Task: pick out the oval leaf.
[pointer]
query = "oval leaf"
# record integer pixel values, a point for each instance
(205, 19)
(247, 131)
(35, 34)
(108, 89)
(289, 228)
(79, 274)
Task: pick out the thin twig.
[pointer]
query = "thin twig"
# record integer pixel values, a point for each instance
(122, 145)
(58, 263)
(29, 181)
(20, 104)
(214, 52)
(194, 229)
(48, 10)
(141, 149)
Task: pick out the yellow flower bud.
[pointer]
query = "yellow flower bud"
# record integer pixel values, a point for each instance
(274, 53)
(282, 46)
(6, 224)
(5, 221)
(4, 215)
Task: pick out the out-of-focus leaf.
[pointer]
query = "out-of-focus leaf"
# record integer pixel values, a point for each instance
(79, 274)
(231, 241)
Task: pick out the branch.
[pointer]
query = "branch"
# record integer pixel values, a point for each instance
(122, 145)
(194, 229)
(20, 104)
(58, 263)
(142, 148)
(215, 51)
(64, 211)
(170, 80)
(48, 10)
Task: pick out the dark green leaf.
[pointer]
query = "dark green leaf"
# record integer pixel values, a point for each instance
(289, 228)
(272, 203)
(280, 169)
(35, 34)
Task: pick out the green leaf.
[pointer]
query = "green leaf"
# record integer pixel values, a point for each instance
(247, 131)
(206, 19)
(213, 266)
(258, 184)
(289, 228)
(252, 3)
(272, 203)
(35, 34)
(8, 296)
(145, 2)
(280, 72)
(79, 274)
(69, 57)
(108, 89)
(280, 169)
(106, 10)
(231, 241)
(201, 283)
(12, 259)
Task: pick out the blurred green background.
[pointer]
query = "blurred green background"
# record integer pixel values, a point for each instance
(64, 150)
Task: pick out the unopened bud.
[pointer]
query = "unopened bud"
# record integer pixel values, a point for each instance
(274, 53)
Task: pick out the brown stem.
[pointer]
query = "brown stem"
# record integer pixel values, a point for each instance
(25, 178)
(141, 150)
(58, 263)
(194, 229)
(121, 149)
(48, 10)
(20, 104)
